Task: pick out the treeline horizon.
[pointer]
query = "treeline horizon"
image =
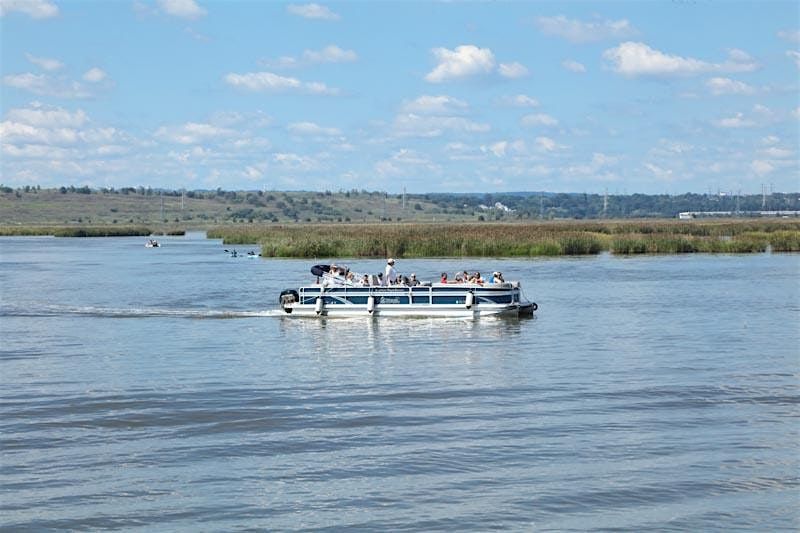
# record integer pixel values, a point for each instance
(361, 205)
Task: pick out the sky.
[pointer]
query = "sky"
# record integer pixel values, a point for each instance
(424, 96)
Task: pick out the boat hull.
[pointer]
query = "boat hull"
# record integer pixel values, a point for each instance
(431, 301)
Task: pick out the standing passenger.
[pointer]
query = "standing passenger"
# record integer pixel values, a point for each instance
(390, 276)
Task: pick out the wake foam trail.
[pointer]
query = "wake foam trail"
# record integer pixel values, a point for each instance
(130, 312)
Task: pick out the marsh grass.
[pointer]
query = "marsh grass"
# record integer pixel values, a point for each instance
(75, 231)
(516, 240)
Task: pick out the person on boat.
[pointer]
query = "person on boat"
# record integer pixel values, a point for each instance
(476, 278)
(444, 278)
(413, 281)
(351, 278)
(365, 281)
(497, 277)
(390, 275)
(465, 277)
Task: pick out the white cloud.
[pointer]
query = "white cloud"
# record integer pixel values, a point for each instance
(736, 121)
(312, 129)
(312, 11)
(512, 70)
(573, 66)
(776, 153)
(38, 9)
(719, 86)
(405, 162)
(435, 105)
(770, 139)
(659, 172)
(37, 129)
(46, 116)
(670, 148)
(187, 9)
(193, 133)
(763, 110)
(796, 112)
(520, 100)
(414, 125)
(761, 167)
(466, 60)
(269, 82)
(45, 63)
(255, 172)
(546, 144)
(330, 54)
(633, 59)
(539, 119)
(17, 132)
(44, 85)
(296, 162)
(792, 36)
(94, 75)
(794, 55)
(498, 148)
(577, 31)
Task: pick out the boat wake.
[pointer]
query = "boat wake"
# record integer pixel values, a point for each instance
(131, 312)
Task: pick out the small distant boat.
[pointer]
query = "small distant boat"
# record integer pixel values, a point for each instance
(152, 243)
(337, 296)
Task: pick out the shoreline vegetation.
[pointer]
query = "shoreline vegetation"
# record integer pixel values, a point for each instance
(558, 238)
(83, 231)
(529, 239)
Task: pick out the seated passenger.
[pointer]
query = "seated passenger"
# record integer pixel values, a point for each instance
(497, 277)
(365, 281)
(476, 278)
(444, 278)
(412, 281)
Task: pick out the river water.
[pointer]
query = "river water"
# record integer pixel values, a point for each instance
(159, 389)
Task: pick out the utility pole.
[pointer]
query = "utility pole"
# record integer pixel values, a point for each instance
(404, 198)
(161, 195)
(605, 203)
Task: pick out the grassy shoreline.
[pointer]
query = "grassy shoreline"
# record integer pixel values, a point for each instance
(621, 237)
(518, 239)
(82, 231)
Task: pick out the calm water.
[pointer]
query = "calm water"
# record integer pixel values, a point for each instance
(156, 389)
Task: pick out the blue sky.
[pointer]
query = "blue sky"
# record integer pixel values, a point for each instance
(649, 97)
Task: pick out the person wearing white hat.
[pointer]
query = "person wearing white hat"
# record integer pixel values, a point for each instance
(390, 276)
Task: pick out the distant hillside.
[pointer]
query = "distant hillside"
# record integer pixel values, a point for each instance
(197, 209)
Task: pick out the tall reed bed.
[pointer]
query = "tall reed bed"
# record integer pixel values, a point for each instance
(75, 231)
(414, 240)
(514, 240)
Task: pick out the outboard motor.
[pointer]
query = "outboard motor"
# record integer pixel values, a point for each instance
(287, 298)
